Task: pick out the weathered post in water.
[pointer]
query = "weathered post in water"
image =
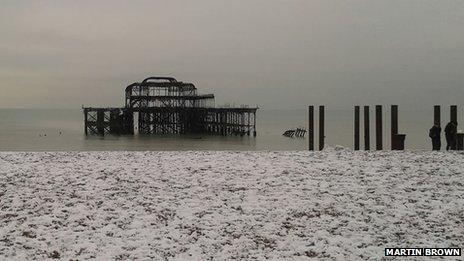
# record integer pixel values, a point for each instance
(356, 127)
(321, 127)
(394, 124)
(436, 115)
(459, 136)
(366, 128)
(454, 113)
(378, 127)
(397, 140)
(454, 118)
(460, 141)
(311, 127)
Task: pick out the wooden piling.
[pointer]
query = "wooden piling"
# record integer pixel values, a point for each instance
(378, 127)
(366, 129)
(394, 124)
(311, 127)
(356, 127)
(394, 119)
(436, 115)
(454, 113)
(321, 128)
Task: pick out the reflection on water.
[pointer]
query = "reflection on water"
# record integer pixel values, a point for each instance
(38, 130)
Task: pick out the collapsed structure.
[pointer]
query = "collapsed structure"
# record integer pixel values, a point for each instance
(163, 105)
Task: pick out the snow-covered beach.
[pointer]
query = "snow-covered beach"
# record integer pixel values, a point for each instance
(203, 205)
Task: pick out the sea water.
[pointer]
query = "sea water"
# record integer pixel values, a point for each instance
(63, 130)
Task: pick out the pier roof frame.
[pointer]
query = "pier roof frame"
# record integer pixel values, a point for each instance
(181, 85)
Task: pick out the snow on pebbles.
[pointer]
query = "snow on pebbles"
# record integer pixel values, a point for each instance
(206, 205)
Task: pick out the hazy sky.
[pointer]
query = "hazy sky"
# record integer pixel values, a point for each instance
(277, 54)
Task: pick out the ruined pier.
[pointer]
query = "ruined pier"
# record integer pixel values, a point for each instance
(163, 105)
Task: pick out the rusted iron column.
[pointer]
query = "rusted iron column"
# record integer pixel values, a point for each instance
(378, 127)
(115, 122)
(356, 127)
(454, 113)
(86, 121)
(311, 127)
(222, 122)
(367, 143)
(100, 122)
(321, 128)
(128, 122)
(218, 121)
(254, 124)
(394, 124)
(436, 115)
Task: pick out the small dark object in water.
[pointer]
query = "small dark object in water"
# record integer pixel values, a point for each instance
(289, 133)
(298, 132)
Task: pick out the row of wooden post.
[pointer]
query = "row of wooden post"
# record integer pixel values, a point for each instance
(378, 128)
(311, 128)
(397, 140)
(437, 114)
(453, 118)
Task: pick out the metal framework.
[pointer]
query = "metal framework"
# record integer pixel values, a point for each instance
(163, 105)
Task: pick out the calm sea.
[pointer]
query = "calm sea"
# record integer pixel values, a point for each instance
(39, 130)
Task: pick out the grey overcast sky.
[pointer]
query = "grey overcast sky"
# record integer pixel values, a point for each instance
(277, 54)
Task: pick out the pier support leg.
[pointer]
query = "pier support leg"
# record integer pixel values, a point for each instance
(436, 121)
(378, 127)
(356, 127)
(394, 124)
(366, 129)
(311, 127)
(321, 128)
(436, 115)
(86, 119)
(454, 118)
(223, 124)
(254, 125)
(454, 113)
(100, 122)
(397, 140)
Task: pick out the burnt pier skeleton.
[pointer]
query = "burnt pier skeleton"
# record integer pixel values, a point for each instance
(163, 105)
